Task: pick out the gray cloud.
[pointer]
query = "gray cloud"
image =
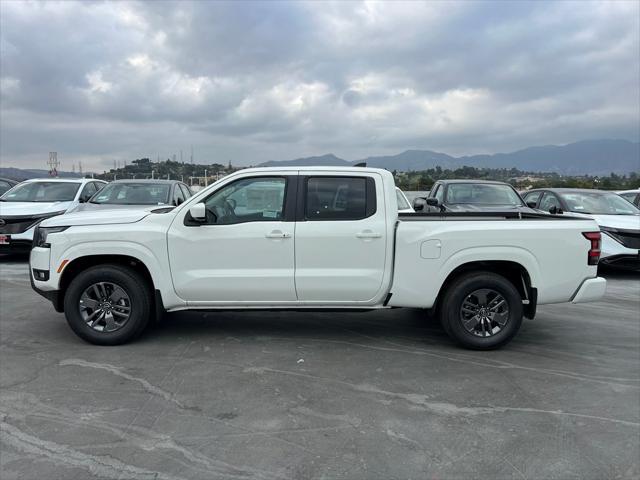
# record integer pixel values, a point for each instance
(249, 82)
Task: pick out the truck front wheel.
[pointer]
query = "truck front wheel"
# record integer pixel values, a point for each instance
(481, 310)
(108, 304)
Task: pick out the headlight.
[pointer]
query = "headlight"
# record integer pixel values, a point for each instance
(41, 233)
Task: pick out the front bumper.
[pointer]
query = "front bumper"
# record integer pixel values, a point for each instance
(591, 290)
(20, 242)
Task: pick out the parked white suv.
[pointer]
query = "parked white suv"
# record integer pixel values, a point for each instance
(28, 203)
(311, 238)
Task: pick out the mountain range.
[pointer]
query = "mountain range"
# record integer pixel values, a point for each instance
(592, 157)
(588, 157)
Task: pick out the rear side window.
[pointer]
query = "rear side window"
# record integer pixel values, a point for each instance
(339, 198)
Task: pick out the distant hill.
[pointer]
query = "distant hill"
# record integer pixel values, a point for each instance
(329, 160)
(592, 157)
(24, 174)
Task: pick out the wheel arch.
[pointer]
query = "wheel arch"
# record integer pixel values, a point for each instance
(513, 271)
(82, 263)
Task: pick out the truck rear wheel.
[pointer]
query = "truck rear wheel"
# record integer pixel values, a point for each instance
(481, 310)
(108, 304)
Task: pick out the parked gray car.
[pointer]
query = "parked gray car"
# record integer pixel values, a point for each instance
(471, 196)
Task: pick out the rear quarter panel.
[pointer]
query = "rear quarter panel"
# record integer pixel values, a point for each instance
(553, 252)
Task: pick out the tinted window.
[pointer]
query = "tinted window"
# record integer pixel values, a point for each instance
(185, 191)
(532, 197)
(4, 186)
(248, 200)
(42, 192)
(336, 198)
(631, 196)
(133, 194)
(88, 190)
(439, 193)
(178, 195)
(549, 200)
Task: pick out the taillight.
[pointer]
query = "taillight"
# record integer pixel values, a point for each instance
(594, 252)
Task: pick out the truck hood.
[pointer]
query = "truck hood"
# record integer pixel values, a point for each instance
(100, 207)
(624, 222)
(106, 217)
(10, 209)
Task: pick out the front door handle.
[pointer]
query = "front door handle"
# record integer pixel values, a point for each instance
(368, 234)
(278, 234)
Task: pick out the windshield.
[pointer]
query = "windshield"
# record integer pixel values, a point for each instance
(599, 203)
(133, 194)
(42, 192)
(482, 194)
(403, 204)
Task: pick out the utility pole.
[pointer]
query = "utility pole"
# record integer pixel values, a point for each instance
(206, 179)
(191, 154)
(53, 164)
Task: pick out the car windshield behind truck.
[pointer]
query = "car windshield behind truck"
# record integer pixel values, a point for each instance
(133, 194)
(599, 203)
(482, 194)
(42, 192)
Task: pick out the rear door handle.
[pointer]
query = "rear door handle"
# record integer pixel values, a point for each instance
(278, 234)
(368, 234)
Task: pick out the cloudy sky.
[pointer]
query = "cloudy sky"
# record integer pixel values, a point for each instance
(250, 82)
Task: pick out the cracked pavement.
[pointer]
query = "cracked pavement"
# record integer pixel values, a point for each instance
(273, 395)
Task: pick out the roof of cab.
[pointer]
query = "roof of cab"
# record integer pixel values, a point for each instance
(313, 169)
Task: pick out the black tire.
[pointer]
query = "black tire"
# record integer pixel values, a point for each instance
(460, 290)
(138, 295)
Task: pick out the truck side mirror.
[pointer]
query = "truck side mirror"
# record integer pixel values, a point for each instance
(531, 204)
(433, 202)
(198, 212)
(419, 204)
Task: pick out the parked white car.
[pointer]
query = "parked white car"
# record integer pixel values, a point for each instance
(617, 218)
(28, 203)
(403, 203)
(311, 238)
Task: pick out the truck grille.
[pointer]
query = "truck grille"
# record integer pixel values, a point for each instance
(628, 238)
(14, 225)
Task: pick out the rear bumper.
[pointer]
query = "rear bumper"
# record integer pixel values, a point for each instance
(591, 290)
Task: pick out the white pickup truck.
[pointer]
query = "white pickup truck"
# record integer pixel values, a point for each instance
(316, 238)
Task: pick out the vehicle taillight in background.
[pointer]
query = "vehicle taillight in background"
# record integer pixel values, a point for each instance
(594, 252)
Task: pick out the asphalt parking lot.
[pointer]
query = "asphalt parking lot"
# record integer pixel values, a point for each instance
(378, 395)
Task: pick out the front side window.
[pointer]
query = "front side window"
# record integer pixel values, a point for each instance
(88, 190)
(178, 195)
(439, 195)
(336, 198)
(42, 192)
(247, 200)
(532, 197)
(549, 201)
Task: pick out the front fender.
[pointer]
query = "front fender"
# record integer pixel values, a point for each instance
(156, 263)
